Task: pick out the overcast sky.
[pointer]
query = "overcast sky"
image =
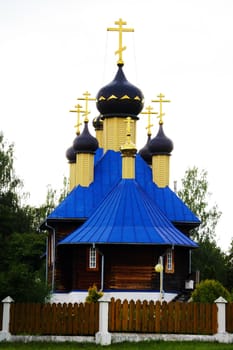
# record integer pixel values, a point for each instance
(52, 51)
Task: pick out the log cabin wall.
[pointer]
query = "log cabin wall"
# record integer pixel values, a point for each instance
(125, 267)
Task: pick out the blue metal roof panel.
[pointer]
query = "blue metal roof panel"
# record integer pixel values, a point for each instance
(167, 200)
(81, 201)
(128, 215)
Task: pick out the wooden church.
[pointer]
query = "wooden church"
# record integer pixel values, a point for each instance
(121, 227)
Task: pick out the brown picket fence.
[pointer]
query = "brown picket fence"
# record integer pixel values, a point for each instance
(229, 317)
(1, 315)
(173, 317)
(124, 316)
(54, 319)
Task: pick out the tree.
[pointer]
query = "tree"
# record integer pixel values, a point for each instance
(229, 264)
(195, 194)
(208, 258)
(210, 261)
(208, 291)
(21, 246)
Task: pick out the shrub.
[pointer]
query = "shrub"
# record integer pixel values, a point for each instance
(208, 291)
(93, 294)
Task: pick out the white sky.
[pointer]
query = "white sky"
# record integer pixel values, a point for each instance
(51, 51)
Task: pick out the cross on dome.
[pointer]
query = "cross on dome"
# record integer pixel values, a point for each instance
(120, 29)
(86, 98)
(78, 109)
(161, 101)
(149, 113)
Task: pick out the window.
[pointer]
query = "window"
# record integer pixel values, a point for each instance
(169, 264)
(92, 259)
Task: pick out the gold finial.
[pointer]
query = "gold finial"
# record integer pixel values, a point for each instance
(78, 110)
(86, 98)
(149, 113)
(129, 145)
(161, 101)
(120, 29)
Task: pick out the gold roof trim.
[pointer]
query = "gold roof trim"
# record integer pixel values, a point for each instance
(102, 98)
(125, 97)
(112, 97)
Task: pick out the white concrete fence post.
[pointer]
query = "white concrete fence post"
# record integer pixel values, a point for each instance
(221, 307)
(221, 335)
(103, 337)
(5, 332)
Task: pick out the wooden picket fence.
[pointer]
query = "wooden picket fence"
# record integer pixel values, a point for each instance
(173, 317)
(1, 315)
(229, 317)
(55, 319)
(137, 317)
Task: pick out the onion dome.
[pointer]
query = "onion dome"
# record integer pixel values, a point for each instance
(161, 144)
(120, 98)
(98, 123)
(145, 152)
(85, 143)
(71, 155)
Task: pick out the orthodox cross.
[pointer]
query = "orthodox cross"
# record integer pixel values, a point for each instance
(149, 113)
(161, 101)
(128, 121)
(86, 98)
(120, 29)
(78, 110)
(129, 144)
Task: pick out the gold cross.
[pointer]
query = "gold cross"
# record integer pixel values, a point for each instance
(86, 99)
(120, 29)
(161, 114)
(149, 113)
(128, 121)
(128, 144)
(78, 110)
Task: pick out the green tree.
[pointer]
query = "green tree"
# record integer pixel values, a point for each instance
(229, 264)
(209, 290)
(194, 193)
(21, 246)
(208, 258)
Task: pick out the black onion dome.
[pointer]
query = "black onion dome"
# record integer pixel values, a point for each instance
(161, 144)
(85, 143)
(145, 152)
(120, 98)
(98, 123)
(71, 155)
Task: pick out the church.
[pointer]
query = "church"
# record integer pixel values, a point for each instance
(121, 227)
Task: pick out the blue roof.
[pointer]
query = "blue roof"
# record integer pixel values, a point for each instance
(82, 201)
(127, 215)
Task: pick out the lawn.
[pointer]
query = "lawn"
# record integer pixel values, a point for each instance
(150, 345)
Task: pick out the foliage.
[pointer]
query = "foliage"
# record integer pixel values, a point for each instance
(93, 294)
(22, 273)
(210, 261)
(208, 258)
(207, 291)
(229, 268)
(195, 194)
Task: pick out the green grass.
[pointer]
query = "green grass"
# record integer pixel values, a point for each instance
(150, 345)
